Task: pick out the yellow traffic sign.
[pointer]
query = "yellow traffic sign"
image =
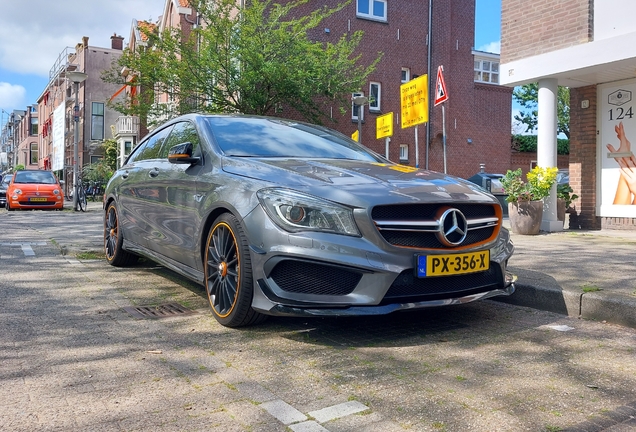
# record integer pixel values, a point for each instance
(384, 126)
(414, 100)
(354, 136)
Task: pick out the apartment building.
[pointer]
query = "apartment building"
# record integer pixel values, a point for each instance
(66, 104)
(588, 46)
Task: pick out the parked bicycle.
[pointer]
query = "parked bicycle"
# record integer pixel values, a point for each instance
(81, 195)
(95, 190)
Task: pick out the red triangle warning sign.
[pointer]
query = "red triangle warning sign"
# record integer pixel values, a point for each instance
(441, 95)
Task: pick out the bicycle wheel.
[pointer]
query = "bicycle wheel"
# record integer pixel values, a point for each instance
(81, 199)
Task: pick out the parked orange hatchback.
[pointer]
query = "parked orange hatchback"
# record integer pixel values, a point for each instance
(32, 190)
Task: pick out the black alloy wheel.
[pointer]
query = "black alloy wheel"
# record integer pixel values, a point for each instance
(228, 274)
(114, 239)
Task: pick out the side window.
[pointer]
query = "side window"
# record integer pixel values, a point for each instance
(181, 133)
(152, 147)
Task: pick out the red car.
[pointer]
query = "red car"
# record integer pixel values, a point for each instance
(32, 189)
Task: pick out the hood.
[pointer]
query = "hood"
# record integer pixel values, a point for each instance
(359, 182)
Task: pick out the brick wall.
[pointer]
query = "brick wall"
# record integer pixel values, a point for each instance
(479, 112)
(540, 26)
(524, 161)
(583, 158)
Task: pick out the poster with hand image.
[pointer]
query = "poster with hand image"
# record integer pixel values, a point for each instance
(617, 123)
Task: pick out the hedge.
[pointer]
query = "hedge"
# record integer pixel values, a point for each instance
(528, 144)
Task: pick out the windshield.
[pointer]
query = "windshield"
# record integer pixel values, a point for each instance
(261, 137)
(37, 177)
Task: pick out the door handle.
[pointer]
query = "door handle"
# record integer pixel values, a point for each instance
(153, 172)
(125, 175)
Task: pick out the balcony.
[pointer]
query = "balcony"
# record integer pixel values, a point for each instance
(127, 125)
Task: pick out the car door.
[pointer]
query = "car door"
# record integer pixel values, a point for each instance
(137, 188)
(172, 216)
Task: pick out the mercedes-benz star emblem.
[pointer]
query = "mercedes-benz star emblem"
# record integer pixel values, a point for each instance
(453, 227)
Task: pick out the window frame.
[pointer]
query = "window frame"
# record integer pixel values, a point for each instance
(371, 15)
(404, 152)
(95, 117)
(408, 75)
(33, 152)
(375, 104)
(480, 70)
(354, 107)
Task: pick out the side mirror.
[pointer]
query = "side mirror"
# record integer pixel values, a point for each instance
(182, 154)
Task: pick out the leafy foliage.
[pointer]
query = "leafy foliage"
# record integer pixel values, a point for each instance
(538, 186)
(528, 95)
(564, 191)
(528, 143)
(19, 167)
(251, 61)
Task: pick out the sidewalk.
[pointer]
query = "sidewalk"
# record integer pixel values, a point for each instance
(586, 274)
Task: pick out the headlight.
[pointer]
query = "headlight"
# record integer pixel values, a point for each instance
(56, 191)
(17, 191)
(294, 211)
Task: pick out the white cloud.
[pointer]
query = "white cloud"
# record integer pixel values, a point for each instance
(492, 47)
(11, 96)
(39, 30)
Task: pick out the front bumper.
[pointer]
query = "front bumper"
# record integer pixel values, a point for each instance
(328, 274)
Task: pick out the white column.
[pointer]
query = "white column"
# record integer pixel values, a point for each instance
(547, 146)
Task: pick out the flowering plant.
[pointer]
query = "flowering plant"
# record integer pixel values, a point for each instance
(538, 186)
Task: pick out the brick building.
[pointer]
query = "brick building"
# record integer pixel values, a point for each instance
(588, 46)
(477, 112)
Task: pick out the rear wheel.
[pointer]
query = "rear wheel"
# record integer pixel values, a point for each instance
(114, 239)
(228, 274)
(81, 199)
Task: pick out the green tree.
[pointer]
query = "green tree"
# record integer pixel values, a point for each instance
(252, 62)
(527, 96)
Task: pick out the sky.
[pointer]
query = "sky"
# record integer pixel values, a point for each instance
(35, 32)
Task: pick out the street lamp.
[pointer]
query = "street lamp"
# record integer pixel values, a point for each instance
(76, 77)
(359, 101)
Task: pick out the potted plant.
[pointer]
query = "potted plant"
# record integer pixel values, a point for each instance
(525, 199)
(564, 199)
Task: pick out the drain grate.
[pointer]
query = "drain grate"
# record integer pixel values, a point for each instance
(161, 311)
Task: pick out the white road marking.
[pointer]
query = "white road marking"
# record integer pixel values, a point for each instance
(337, 411)
(26, 246)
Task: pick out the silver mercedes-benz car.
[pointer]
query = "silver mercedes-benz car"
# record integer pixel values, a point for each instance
(280, 217)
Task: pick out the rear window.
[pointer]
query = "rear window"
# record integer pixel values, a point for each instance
(257, 137)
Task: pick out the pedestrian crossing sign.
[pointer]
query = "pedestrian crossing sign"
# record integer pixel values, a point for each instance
(441, 95)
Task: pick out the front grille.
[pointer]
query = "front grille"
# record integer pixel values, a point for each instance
(419, 225)
(37, 203)
(313, 278)
(408, 287)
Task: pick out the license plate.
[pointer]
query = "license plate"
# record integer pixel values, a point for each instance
(37, 199)
(452, 264)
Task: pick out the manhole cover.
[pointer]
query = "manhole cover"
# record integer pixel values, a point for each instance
(160, 311)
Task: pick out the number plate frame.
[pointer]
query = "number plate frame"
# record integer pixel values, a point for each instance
(452, 264)
(38, 199)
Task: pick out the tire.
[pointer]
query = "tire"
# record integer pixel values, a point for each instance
(114, 239)
(8, 207)
(81, 199)
(228, 274)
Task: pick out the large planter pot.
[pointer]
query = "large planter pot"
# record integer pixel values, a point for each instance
(525, 217)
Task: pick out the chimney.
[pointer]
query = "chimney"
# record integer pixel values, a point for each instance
(116, 42)
(85, 41)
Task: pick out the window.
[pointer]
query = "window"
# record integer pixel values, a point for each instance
(33, 157)
(356, 108)
(487, 71)
(372, 9)
(97, 121)
(150, 148)
(181, 133)
(127, 147)
(406, 75)
(34, 126)
(95, 159)
(374, 96)
(404, 152)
